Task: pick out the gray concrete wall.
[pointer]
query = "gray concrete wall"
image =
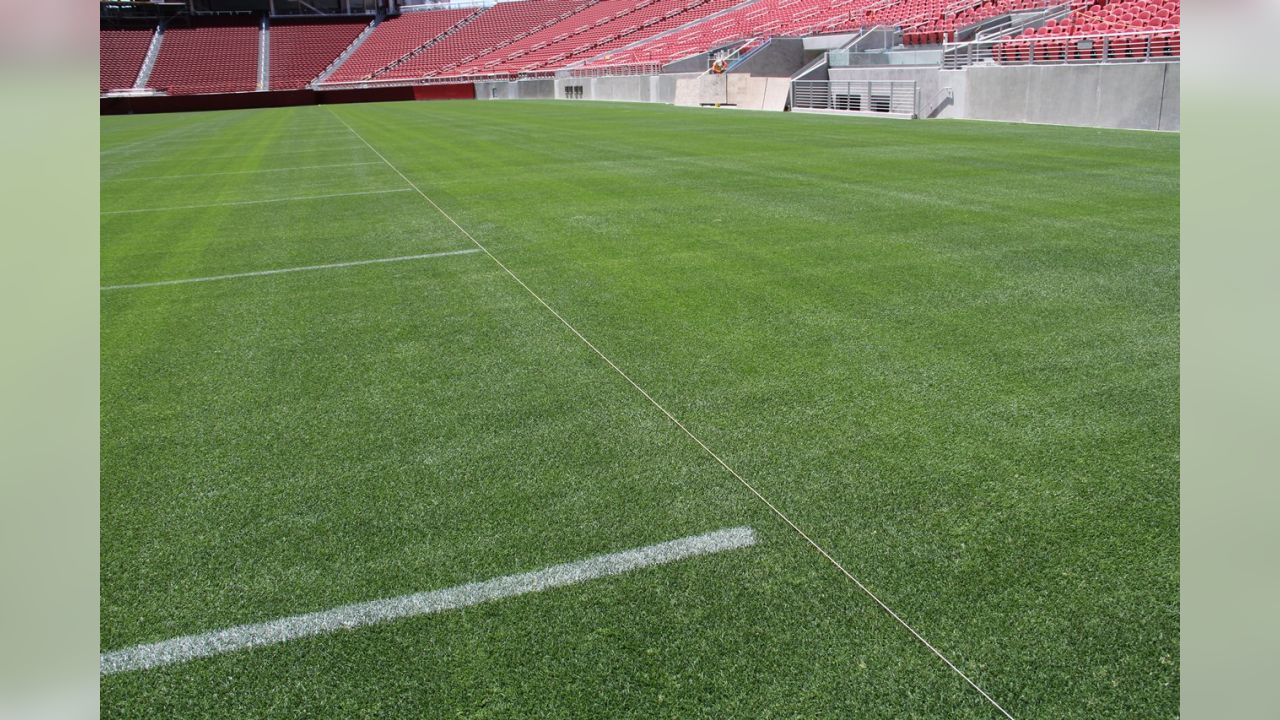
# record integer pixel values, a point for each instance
(535, 89)
(822, 43)
(692, 64)
(632, 88)
(1140, 96)
(515, 90)
(492, 90)
(780, 57)
(666, 92)
(702, 90)
(625, 88)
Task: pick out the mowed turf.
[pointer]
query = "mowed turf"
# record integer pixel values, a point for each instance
(947, 350)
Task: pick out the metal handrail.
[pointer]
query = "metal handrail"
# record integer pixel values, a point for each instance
(892, 98)
(1084, 48)
(1054, 12)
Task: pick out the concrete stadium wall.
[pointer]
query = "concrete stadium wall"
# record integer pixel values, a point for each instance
(780, 58)
(1142, 96)
(627, 88)
(541, 89)
(667, 86)
(1138, 95)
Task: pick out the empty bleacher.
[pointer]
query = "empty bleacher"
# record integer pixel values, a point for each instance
(301, 48)
(1096, 30)
(207, 55)
(760, 19)
(496, 27)
(595, 28)
(122, 50)
(396, 37)
(940, 26)
(215, 54)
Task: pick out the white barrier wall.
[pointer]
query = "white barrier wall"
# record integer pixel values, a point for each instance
(735, 89)
(1135, 95)
(1141, 95)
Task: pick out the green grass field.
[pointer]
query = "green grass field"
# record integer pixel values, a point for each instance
(948, 351)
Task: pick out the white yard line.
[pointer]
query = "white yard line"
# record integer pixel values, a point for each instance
(258, 273)
(347, 617)
(162, 139)
(255, 202)
(676, 421)
(241, 172)
(170, 159)
(172, 145)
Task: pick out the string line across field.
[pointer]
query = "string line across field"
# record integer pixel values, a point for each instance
(683, 428)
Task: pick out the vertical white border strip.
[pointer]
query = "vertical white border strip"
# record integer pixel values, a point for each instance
(191, 647)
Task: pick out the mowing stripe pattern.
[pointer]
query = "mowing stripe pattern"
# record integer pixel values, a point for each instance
(191, 647)
(280, 271)
(255, 202)
(240, 172)
(676, 421)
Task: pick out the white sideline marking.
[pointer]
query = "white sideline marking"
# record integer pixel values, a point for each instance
(676, 421)
(239, 172)
(191, 647)
(190, 140)
(256, 273)
(153, 160)
(255, 202)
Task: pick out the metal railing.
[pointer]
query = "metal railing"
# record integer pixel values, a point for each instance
(898, 98)
(1028, 19)
(651, 68)
(1128, 47)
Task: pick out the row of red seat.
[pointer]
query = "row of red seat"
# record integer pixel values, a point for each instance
(604, 24)
(301, 48)
(213, 54)
(1101, 30)
(941, 27)
(763, 18)
(1164, 45)
(207, 55)
(534, 36)
(496, 27)
(925, 21)
(121, 51)
(394, 38)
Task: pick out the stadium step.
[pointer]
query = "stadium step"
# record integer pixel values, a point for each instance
(351, 49)
(144, 74)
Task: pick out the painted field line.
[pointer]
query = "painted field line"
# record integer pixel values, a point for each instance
(280, 271)
(241, 172)
(191, 647)
(153, 160)
(189, 140)
(255, 202)
(689, 433)
(164, 134)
